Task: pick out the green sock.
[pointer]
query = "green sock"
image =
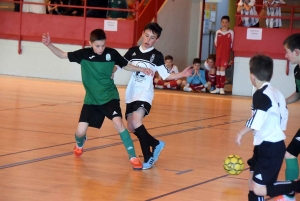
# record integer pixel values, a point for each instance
(292, 169)
(127, 141)
(80, 140)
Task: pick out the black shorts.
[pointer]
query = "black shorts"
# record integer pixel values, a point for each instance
(266, 162)
(294, 146)
(94, 115)
(134, 106)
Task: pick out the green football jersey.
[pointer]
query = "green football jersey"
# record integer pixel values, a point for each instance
(96, 72)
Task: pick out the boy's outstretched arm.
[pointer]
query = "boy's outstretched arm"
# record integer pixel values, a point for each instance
(46, 41)
(292, 98)
(131, 67)
(185, 73)
(241, 133)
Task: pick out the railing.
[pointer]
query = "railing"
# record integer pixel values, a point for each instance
(73, 29)
(272, 39)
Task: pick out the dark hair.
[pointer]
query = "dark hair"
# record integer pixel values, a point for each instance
(225, 17)
(168, 57)
(196, 61)
(154, 27)
(262, 67)
(212, 57)
(97, 34)
(292, 42)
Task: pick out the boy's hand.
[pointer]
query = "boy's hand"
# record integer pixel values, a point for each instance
(46, 39)
(238, 139)
(147, 71)
(187, 71)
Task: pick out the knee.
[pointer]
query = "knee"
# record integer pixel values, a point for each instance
(136, 122)
(130, 127)
(118, 124)
(179, 82)
(258, 189)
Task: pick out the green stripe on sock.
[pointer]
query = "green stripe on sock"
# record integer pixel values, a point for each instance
(79, 140)
(292, 170)
(127, 141)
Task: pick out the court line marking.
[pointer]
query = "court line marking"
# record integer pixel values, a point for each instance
(95, 148)
(95, 138)
(189, 187)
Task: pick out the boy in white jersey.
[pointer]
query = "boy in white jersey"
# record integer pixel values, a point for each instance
(170, 84)
(269, 119)
(140, 90)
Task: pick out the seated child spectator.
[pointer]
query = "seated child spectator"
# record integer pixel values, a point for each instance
(210, 71)
(273, 9)
(55, 10)
(170, 84)
(196, 82)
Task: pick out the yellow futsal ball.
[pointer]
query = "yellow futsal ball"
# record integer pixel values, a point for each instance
(233, 164)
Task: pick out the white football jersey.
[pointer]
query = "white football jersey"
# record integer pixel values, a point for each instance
(140, 86)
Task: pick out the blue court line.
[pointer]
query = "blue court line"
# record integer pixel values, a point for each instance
(113, 135)
(189, 187)
(94, 148)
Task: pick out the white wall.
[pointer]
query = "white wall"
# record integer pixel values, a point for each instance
(195, 30)
(242, 85)
(37, 60)
(176, 18)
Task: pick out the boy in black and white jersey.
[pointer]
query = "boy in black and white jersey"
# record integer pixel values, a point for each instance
(140, 90)
(269, 119)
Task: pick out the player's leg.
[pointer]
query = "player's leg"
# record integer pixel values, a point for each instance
(140, 130)
(252, 163)
(267, 167)
(90, 116)
(291, 160)
(142, 109)
(158, 83)
(80, 138)
(178, 82)
(217, 90)
(112, 110)
(212, 77)
(222, 78)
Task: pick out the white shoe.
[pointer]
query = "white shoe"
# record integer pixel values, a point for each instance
(203, 90)
(222, 91)
(158, 87)
(188, 89)
(216, 91)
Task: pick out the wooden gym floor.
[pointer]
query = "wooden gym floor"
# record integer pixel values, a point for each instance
(38, 120)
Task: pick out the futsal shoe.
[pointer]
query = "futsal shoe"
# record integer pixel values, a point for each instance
(284, 198)
(157, 150)
(136, 163)
(216, 91)
(149, 164)
(79, 150)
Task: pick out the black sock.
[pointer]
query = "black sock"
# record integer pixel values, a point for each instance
(253, 197)
(142, 134)
(281, 188)
(152, 141)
